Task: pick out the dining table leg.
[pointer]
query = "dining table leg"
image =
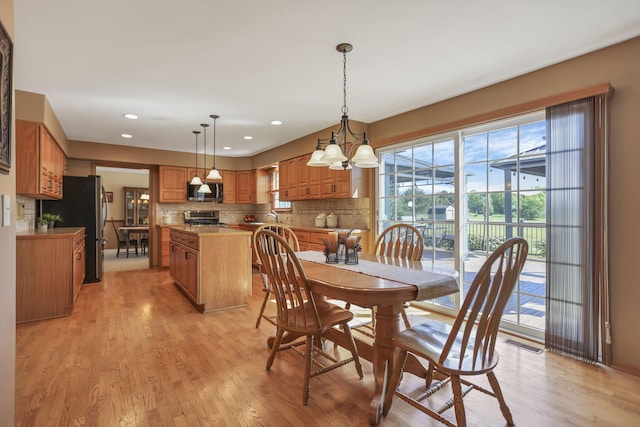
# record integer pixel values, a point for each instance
(387, 327)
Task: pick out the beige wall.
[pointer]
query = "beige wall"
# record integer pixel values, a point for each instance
(34, 107)
(8, 268)
(620, 66)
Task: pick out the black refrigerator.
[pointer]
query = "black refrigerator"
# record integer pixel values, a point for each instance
(84, 204)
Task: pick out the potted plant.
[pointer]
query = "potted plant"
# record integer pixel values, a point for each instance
(51, 219)
(42, 224)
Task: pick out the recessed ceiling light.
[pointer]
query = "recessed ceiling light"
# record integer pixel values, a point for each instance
(126, 135)
(226, 148)
(276, 122)
(130, 116)
(247, 137)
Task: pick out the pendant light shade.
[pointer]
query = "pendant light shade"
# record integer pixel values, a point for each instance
(205, 189)
(214, 175)
(196, 178)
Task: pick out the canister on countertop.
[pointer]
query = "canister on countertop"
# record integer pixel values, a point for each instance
(332, 220)
(321, 220)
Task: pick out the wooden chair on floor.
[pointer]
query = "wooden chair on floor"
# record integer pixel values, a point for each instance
(468, 347)
(402, 241)
(300, 314)
(122, 242)
(290, 237)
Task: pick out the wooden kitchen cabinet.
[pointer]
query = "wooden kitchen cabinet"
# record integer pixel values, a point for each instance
(40, 162)
(211, 266)
(243, 186)
(302, 191)
(229, 186)
(173, 184)
(301, 182)
(165, 243)
(50, 269)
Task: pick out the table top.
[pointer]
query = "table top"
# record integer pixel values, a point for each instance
(368, 290)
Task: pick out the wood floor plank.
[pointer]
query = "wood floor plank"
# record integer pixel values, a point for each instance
(136, 353)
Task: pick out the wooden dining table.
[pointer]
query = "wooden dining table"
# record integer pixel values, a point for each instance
(128, 230)
(375, 289)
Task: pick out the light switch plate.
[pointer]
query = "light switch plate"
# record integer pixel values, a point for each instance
(6, 210)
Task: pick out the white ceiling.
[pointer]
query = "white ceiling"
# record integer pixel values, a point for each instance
(174, 63)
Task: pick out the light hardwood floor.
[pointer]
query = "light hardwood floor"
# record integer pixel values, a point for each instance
(135, 353)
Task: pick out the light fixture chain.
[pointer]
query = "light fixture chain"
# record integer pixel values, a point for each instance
(345, 109)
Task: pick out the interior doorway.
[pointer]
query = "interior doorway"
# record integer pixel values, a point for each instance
(128, 214)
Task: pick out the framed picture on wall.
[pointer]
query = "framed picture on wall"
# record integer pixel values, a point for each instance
(109, 195)
(6, 57)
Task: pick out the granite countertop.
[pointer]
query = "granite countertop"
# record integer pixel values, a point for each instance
(49, 233)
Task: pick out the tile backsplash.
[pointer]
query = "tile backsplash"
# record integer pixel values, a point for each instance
(351, 213)
(25, 213)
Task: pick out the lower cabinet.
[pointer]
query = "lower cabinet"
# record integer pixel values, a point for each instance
(211, 266)
(50, 269)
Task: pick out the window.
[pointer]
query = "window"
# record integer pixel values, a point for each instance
(274, 193)
(468, 191)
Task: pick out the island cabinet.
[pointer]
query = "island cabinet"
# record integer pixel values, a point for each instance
(40, 162)
(211, 266)
(50, 269)
(165, 243)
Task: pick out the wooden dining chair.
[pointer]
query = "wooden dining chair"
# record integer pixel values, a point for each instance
(122, 242)
(290, 237)
(466, 348)
(401, 241)
(299, 313)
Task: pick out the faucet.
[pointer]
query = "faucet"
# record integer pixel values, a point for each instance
(273, 214)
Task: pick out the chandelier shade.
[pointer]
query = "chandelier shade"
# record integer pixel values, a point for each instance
(338, 150)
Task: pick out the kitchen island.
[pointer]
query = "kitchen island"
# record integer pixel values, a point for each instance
(211, 266)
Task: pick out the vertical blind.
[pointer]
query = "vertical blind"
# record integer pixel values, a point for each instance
(577, 285)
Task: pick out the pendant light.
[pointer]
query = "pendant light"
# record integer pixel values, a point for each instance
(196, 178)
(204, 188)
(214, 175)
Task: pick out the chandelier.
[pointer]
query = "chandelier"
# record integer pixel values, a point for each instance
(338, 150)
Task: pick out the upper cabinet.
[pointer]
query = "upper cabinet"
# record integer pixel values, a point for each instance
(245, 186)
(173, 184)
(229, 186)
(301, 182)
(40, 162)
